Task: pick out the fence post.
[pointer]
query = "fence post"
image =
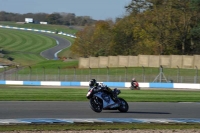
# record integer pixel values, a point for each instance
(30, 73)
(16, 72)
(178, 74)
(196, 74)
(98, 76)
(74, 73)
(58, 73)
(161, 71)
(44, 73)
(4, 73)
(90, 72)
(107, 73)
(125, 73)
(143, 73)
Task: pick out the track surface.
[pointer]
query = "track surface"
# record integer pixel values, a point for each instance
(67, 109)
(50, 53)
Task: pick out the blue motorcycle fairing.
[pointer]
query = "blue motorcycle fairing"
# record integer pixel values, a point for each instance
(106, 104)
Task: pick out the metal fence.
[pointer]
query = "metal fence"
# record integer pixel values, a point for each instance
(122, 74)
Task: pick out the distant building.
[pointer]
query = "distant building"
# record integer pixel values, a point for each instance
(28, 20)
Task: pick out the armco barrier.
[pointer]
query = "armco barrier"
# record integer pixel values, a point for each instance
(45, 31)
(110, 84)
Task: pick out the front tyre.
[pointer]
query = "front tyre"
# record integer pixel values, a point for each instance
(96, 104)
(132, 88)
(123, 105)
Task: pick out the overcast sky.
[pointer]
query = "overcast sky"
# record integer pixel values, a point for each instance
(97, 9)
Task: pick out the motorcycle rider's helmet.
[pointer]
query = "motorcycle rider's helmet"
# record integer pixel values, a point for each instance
(133, 79)
(92, 82)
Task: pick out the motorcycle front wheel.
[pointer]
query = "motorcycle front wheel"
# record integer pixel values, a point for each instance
(96, 104)
(133, 88)
(123, 105)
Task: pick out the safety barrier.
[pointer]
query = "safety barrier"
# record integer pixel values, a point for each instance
(45, 31)
(110, 84)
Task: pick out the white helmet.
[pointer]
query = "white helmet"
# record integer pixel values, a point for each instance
(133, 79)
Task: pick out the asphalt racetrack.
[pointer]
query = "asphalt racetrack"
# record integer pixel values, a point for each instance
(69, 109)
(51, 52)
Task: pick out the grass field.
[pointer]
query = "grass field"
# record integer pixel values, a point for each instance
(39, 93)
(24, 47)
(108, 127)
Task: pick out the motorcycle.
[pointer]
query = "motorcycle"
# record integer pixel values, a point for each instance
(135, 86)
(101, 100)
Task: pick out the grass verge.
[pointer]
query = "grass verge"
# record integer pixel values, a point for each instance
(24, 47)
(95, 126)
(39, 93)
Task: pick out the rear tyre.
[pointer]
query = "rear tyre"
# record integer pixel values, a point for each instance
(96, 104)
(123, 105)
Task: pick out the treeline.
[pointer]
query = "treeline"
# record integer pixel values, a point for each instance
(152, 27)
(54, 18)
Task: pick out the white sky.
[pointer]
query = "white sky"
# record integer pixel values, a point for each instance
(96, 9)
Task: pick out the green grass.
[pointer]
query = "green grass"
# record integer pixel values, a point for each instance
(23, 41)
(18, 93)
(24, 47)
(54, 64)
(96, 126)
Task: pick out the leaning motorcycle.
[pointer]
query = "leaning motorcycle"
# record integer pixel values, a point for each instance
(100, 100)
(135, 86)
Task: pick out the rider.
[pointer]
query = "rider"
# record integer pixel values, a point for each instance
(134, 83)
(100, 86)
(93, 83)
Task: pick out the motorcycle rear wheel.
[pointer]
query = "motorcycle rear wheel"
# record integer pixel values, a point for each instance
(123, 105)
(96, 104)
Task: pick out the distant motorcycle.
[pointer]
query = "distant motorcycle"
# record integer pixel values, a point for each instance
(135, 86)
(101, 100)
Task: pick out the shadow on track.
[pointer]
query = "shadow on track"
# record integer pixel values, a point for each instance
(139, 112)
